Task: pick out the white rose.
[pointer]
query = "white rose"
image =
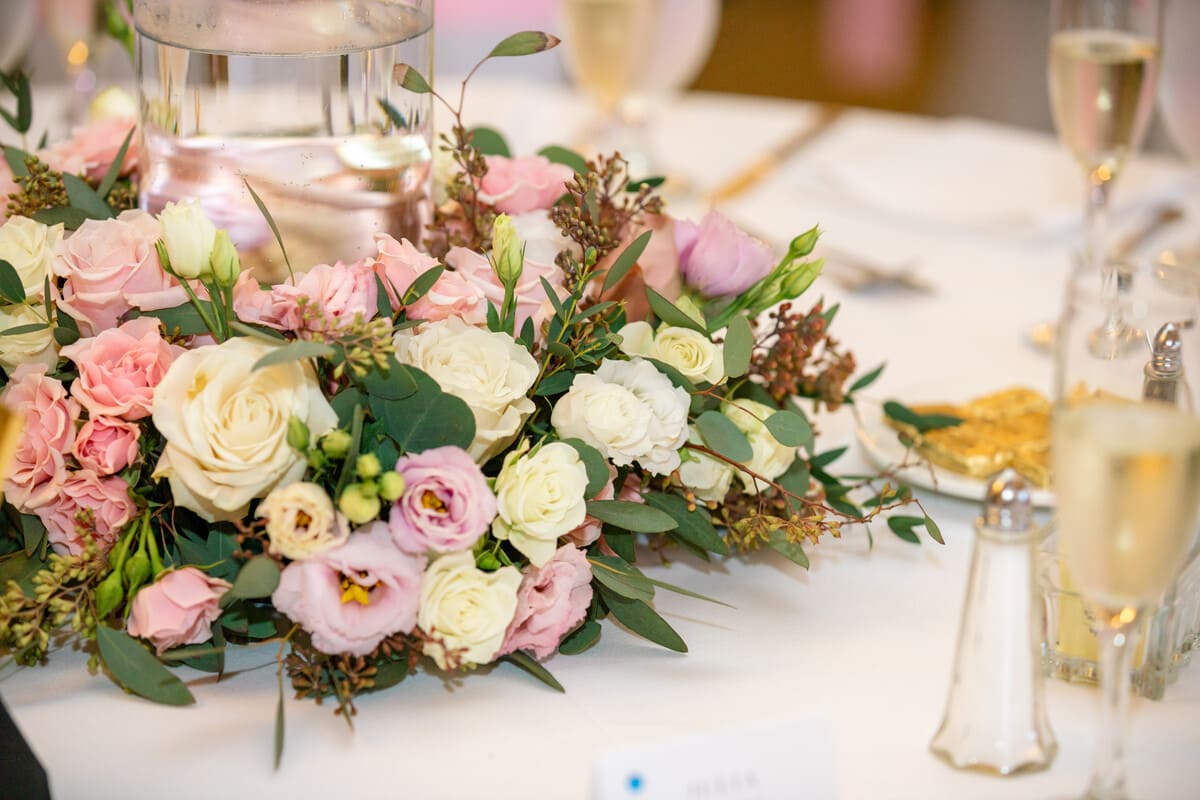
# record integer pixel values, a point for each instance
(542, 238)
(689, 351)
(226, 426)
(466, 609)
(708, 477)
(301, 521)
(489, 371)
(539, 497)
(629, 411)
(29, 246)
(112, 103)
(189, 237)
(22, 348)
(771, 459)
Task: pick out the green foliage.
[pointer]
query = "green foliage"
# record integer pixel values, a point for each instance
(593, 461)
(792, 551)
(626, 260)
(866, 380)
(406, 77)
(723, 436)
(621, 577)
(11, 288)
(293, 351)
(669, 314)
(114, 169)
(528, 664)
(739, 346)
(257, 578)
(489, 142)
(693, 526)
(922, 422)
(561, 155)
(17, 82)
(85, 199)
(643, 620)
(905, 528)
(425, 419)
(580, 639)
(790, 428)
(262, 208)
(523, 44)
(635, 517)
(214, 554)
(138, 671)
(186, 320)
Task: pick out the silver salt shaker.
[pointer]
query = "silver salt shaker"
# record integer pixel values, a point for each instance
(995, 719)
(1164, 370)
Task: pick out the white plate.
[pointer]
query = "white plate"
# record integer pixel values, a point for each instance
(884, 449)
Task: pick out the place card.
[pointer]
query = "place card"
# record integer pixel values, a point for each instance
(792, 760)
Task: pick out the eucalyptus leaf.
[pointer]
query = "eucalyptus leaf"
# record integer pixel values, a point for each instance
(903, 527)
(790, 429)
(593, 461)
(693, 526)
(866, 380)
(739, 346)
(669, 314)
(261, 332)
(922, 422)
(626, 261)
(33, 533)
(394, 383)
(636, 517)
(580, 639)
(258, 577)
(427, 418)
(828, 457)
(527, 663)
(643, 620)
(489, 142)
(16, 161)
(393, 114)
(262, 209)
(138, 671)
(423, 283)
(554, 384)
(114, 169)
(214, 554)
(561, 155)
(652, 182)
(18, 330)
(621, 577)
(406, 77)
(184, 319)
(293, 351)
(523, 44)
(778, 542)
(70, 218)
(723, 436)
(84, 197)
(11, 287)
(277, 756)
(933, 530)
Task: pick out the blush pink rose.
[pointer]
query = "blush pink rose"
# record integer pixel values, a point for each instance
(657, 267)
(400, 263)
(92, 148)
(446, 505)
(551, 601)
(254, 304)
(351, 597)
(341, 292)
(111, 266)
(106, 445)
(177, 609)
(531, 295)
(517, 185)
(87, 506)
(49, 416)
(119, 368)
(718, 259)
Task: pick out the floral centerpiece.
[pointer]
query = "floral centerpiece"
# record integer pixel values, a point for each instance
(451, 453)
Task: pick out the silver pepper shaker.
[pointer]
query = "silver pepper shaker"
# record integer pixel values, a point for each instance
(1164, 370)
(995, 718)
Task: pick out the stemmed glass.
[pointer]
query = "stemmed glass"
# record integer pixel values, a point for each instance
(1127, 470)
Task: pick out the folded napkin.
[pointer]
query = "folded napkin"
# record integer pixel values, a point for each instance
(21, 775)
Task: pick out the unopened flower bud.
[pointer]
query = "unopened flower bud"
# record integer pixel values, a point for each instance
(359, 505)
(137, 570)
(799, 277)
(297, 434)
(188, 238)
(109, 595)
(688, 305)
(367, 466)
(803, 244)
(391, 486)
(336, 443)
(508, 257)
(224, 260)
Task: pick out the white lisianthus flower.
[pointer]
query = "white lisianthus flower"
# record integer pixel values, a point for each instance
(466, 609)
(771, 459)
(708, 477)
(489, 371)
(226, 426)
(23, 348)
(540, 497)
(301, 521)
(29, 246)
(189, 237)
(689, 351)
(629, 411)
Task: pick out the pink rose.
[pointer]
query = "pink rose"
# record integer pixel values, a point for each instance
(517, 185)
(718, 259)
(340, 292)
(93, 147)
(106, 445)
(38, 470)
(177, 609)
(446, 505)
(551, 601)
(351, 597)
(87, 505)
(531, 295)
(111, 266)
(254, 304)
(400, 263)
(119, 369)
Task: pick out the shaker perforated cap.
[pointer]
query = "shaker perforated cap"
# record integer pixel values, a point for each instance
(1008, 504)
(1166, 348)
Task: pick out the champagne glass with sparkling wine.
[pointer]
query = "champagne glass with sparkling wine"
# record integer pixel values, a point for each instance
(1126, 454)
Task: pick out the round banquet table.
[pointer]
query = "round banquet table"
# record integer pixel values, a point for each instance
(862, 642)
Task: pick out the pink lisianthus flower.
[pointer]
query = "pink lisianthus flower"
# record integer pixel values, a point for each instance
(49, 416)
(351, 597)
(656, 268)
(551, 600)
(92, 148)
(87, 505)
(254, 304)
(517, 185)
(119, 368)
(177, 609)
(111, 266)
(106, 445)
(530, 294)
(718, 259)
(339, 292)
(446, 505)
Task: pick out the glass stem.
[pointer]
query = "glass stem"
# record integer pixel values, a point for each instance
(1116, 655)
(1099, 188)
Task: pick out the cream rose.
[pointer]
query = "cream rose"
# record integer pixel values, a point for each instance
(629, 411)
(540, 496)
(708, 477)
(466, 609)
(226, 426)
(36, 347)
(29, 247)
(489, 371)
(689, 351)
(771, 459)
(301, 521)
(189, 237)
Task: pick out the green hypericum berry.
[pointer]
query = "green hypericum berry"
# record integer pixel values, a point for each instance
(368, 466)
(359, 505)
(391, 486)
(298, 436)
(336, 444)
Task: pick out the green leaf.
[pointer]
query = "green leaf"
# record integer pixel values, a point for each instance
(653, 182)
(933, 530)
(249, 621)
(580, 639)
(421, 286)
(394, 383)
(530, 665)
(739, 346)
(67, 331)
(258, 577)
(389, 674)
(11, 288)
(561, 155)
(16, 161)
(796, 478)
(84, 198)
(21, 569)
(114, 169)
(828, 457)
(427, 418)
(279, 726)
(261, 332)
(262, 208)
(830, 313)
(670, 587)
(636, 517)
(138, 671)
(523, 44)
(185, 318)
(666, 311)
(406, 77)
(557, 383)
(293, 351)
(393, 114)
(71, 218)
(621, 542)
(790, 429)
(620, 576)
(593, 461)
(629, 256)
(643, 620)
(866, 380)
(18, 330)
(792, 551)
(18, 84)
(723, 436)
(214, 554)
(922, 422)
(489, 142)
(33, 533)
(903, 527)
(693, 526)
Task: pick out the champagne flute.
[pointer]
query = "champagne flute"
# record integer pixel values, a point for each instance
(1126, 472)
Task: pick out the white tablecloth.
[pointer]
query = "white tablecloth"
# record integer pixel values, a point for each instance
(863, 640)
